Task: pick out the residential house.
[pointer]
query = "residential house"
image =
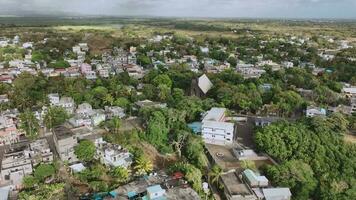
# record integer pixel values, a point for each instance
(65, 141)
(67, 103)
(90, 75)
(9, 133)
(85, 68)
(214, 128)
(40, 152)
(15, 165)
(277, 193)
(265, 121)
(200, 86)
(234, 188)
(313, 111)
(4, 98)
(114, 111)
(53, 99)
(155, 192)
(112, 154)
(148, 103)
(254, 180)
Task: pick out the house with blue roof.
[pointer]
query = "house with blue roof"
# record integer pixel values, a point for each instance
(195, 127)
(155, 192)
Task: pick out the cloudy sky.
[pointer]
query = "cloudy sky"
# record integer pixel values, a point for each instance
(186, 8)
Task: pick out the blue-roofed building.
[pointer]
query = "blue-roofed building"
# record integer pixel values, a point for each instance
(195, 126)
(132, 195)
(156, 192)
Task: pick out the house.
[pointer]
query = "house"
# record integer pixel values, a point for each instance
(78, 121)
(234, 188)
(155, 192)
(98, 117)
(9, 133)
(313, 111)
(148, 103)
(90, 75)
(265, 121)
(214, 128)
(83, 46)
(104, 73)
(245, 154)
(112, 154)
(277, 193)
(4, 98)
(85, 68)
(65, 141)
(287, 64)
(254, 180)
(76, 49)
(84, 109)
(200, 86)
(40, 152)
(15, 165)
(53, 99)
(350, 94)
(114, 111)
(27, 45)
(68, 104)
(76, 168)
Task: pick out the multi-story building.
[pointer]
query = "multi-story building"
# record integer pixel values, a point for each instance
(214, 128)
(15, 165)
(65, 141)
(112, 154)
(9, 134)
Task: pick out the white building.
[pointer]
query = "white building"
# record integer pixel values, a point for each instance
(313, 111)
(112, 154)
(68, 104)
(277, 193)
(214, 128)
(53, 99)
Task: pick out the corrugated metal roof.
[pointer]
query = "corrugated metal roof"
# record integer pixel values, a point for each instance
(204, 83)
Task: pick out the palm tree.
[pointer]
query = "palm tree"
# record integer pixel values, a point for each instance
(114, 125)
(108, 99)
(143, 165)
(215, 174)
(121, 174)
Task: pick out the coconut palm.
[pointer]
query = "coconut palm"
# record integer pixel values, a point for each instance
(143, 165)
(215, 174)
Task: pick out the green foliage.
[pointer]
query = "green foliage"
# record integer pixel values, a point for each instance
(194, 152)
(85, 151)
(44, 192)
(55, 116)
(59, 64)
(157, 130)
(121, 174)
(143, 60)
(296, 175)
(215, 174)
(318, 143)
(192, 174)
(29, 182)
(98, 186)
(29, 123)
(44, 171)
(143, 165)
(162, 79)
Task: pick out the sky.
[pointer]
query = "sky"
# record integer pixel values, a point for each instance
(344, 9)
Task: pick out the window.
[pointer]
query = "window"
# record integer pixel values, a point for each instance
(228, 139)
